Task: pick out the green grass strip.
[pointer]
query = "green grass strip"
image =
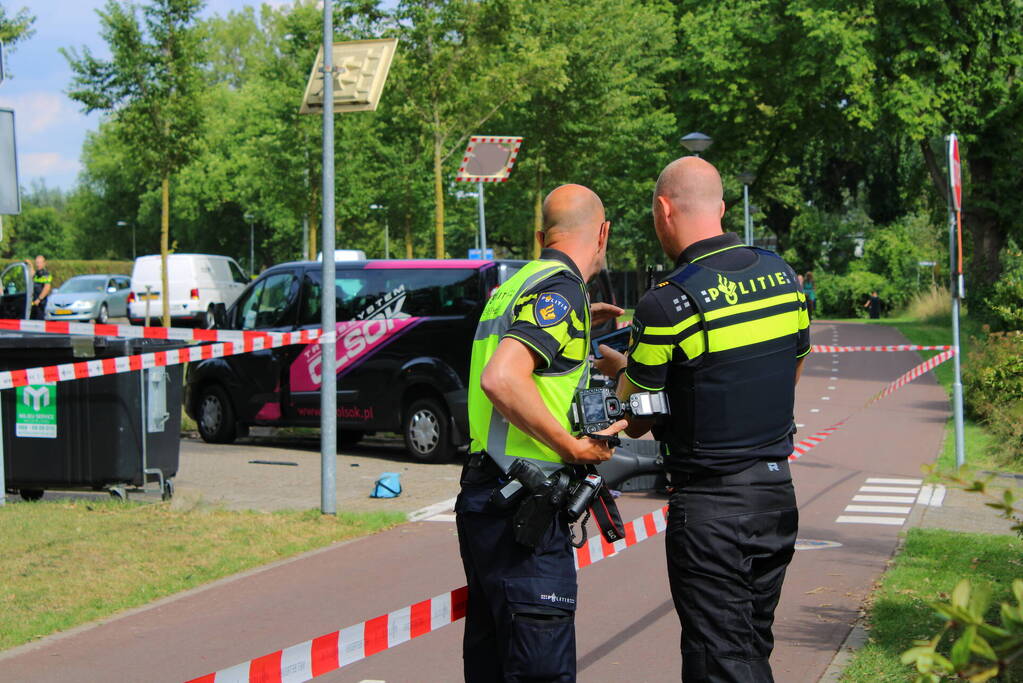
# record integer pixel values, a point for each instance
(66, 563)
(927, 569)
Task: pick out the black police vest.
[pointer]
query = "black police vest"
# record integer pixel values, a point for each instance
(737, 396)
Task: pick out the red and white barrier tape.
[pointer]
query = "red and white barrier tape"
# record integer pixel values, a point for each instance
(302, 662)
(156, 359)
(139, 332)
(800, 449)
(926, 366)
(820, 348)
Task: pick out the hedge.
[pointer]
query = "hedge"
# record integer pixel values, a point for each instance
(63, 270)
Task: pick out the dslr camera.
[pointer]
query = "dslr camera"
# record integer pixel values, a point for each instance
(598, 408)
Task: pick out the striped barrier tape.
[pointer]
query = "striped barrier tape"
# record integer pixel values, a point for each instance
(926, 366)
(302, 662)
(139, 332)
(305, 661)
(155, 359)
(820, 348)
(800, 449)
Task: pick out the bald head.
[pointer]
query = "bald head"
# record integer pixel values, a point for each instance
(571, 209)
(692, 185)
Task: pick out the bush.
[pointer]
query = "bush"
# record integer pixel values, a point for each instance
(64, 270)
(1006, 298)
(993, 392)
(844, 295)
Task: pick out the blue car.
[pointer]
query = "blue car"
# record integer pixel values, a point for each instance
(90, 297)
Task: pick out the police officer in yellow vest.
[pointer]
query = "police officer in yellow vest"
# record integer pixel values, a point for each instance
(529, 357)
(724, 335)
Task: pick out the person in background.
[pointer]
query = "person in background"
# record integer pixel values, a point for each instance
(42, 283)
(811, 294)
(874, 305)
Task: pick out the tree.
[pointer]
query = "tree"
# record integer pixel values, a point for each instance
(466, 61)
(152, 86)
(16, 28)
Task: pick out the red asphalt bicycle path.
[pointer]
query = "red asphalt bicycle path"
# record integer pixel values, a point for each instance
(627, 629)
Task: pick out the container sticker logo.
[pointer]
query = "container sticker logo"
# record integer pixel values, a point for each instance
(36, 412)
(550, 309)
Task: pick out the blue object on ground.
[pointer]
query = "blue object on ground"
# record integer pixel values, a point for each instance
(387, 486)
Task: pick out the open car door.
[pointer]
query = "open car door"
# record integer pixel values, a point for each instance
(16, 301)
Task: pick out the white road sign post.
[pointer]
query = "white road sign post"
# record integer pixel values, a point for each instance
(358, 70)
(487, 159)
(955, 250)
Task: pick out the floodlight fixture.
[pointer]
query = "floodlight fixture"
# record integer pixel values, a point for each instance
(747, 177)
(359, 71)
(696, 142)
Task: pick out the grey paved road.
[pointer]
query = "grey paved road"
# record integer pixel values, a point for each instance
(627, 627)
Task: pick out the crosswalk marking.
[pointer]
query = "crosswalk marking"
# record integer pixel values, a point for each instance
(882, 480)
(884, 499)
(889, 509)
(890, 489)
(856, 519)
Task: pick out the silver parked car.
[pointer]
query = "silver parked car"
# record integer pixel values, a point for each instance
(90, 297)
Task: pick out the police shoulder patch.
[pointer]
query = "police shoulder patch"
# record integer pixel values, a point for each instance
(550, 309)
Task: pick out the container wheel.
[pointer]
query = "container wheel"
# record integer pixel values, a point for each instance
(168, 489)
(31, 494)
(426, 429)
(118, 493)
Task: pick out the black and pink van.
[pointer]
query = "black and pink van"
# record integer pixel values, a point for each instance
(405, 332)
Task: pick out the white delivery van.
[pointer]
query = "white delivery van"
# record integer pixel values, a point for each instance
(197, 282)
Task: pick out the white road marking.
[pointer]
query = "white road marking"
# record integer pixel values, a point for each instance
(892, 509)
(882, 480)
(889, 489)
(431, 510)
(939, 496)
(439, 518)
(832, 378)
(884, 499)
(825, 398)
(815, 410)
(856, 519)
(799, 425)
(926, 492)
(832, 388)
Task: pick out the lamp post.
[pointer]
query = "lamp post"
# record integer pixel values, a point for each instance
(747, 178)
(252, 244)
(387, 229)
(124, 224)
(696, 142)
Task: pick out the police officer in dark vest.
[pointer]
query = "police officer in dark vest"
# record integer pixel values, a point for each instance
(724, 335)
(529, 357)
(42, 283)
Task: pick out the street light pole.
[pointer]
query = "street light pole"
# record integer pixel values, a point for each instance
(328, 314)
(123, 224)
(252, 243)
(747, 178)
(482, 218)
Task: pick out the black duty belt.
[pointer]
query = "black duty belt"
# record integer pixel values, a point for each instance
(760, 472)
(480, 468)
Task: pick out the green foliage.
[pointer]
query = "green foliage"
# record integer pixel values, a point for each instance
(42, 227)
(843, 295)
(65, 269)
(980, 647)
(17, 27)
(1006, 298)
(993, 392)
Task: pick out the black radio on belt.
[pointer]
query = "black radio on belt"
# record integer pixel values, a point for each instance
(596, 409)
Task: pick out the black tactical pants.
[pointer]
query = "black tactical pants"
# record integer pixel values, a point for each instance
(729, 542)
(520, 619)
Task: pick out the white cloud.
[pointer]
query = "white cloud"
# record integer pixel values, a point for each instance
(38, 111)
(46, 163)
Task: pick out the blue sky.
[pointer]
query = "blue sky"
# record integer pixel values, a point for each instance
(50, 127)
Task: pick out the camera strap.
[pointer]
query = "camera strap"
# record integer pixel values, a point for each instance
(605, 512)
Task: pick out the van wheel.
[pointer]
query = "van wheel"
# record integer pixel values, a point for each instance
(209, 321)
(215, 416)
(427, 431)
(31, 494)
